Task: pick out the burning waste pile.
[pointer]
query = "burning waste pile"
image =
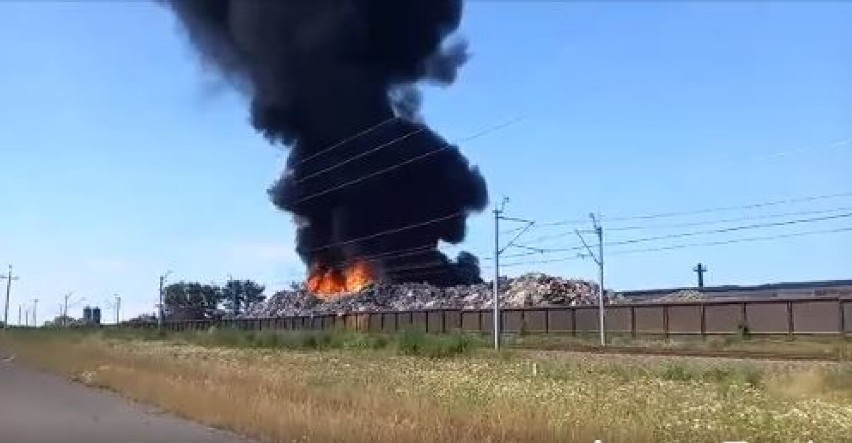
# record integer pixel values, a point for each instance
(371, 188)
(525, 291)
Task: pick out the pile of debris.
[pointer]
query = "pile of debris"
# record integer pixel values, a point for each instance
(683, 295)
(538, 289)
(525, 291)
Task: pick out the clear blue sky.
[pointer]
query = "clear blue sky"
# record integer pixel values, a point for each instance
(120, 158)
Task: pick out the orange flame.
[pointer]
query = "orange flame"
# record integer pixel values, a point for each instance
(329, 283)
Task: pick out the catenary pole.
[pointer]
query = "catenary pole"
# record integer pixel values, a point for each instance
(8, 279)
(600, 261)
(161, 317)
(496, 298)
(65, 310)
(117, 309)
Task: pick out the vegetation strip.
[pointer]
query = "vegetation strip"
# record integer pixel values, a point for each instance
(731, 354)
(350, 387)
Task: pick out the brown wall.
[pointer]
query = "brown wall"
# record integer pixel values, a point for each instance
(773, 316)
(536, 321)
(816, 317)
(649, 320)
(470, 320)
(512, 321)
(586, 319)
(618, 319)
(768, 318)
(847, 316)
(685, 319)
(722, 318)
(560, 320)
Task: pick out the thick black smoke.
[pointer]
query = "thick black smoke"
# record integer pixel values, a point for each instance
(318, 73)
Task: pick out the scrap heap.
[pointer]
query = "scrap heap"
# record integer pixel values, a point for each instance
(528, 290)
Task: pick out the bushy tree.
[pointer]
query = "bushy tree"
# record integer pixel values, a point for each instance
(239, 295)
(191, 300)
(142, 319)
(62, 320)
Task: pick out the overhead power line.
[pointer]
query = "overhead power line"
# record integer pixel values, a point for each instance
(397, 253)
(732, 229)
(690, 224)
(834, 145)
(383, 256)
(688, 234)
(390, 231)
(390, 255)
(346, 140)
(729, 220)
(542, 262)
(732, 208)
(577, 222)
(438, 149)
(435, 267)
(374, 174)
(360, 155)
(691, 245)
(739, 240)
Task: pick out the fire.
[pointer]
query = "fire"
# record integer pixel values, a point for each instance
(328, 283)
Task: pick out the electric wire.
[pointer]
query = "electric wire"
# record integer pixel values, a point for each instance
(703, 210)
(539, 239)
(360, 155)
(687, 234)
(689, 245)
(441, 148)
(345, 140)
(390, 231)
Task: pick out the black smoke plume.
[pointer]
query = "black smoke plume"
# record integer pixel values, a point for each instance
(321, 71)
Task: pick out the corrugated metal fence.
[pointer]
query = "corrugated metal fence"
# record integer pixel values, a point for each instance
(800, 316)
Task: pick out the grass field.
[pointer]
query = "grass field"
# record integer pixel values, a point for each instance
(347, 387)
(818, 347)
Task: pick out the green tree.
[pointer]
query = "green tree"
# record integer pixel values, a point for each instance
(142, 318)
(191, 300)
(62, 320)
(239, 295)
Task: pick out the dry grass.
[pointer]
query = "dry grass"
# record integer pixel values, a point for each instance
(381, 396)
(818, 347)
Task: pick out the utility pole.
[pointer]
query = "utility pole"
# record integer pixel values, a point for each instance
(20, 309)
(234, 298)
(496, 296)
(65, 316)
(161, 317)
(599, 259)
(117, 309)
(65, 310)
(8, 279)
(601, 313)
(498, 215)
(35, 311)
(27, 317)
(700, 269)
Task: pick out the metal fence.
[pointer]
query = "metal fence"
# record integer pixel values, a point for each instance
(799, 316)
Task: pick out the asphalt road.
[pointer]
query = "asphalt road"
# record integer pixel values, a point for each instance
(41, 408)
